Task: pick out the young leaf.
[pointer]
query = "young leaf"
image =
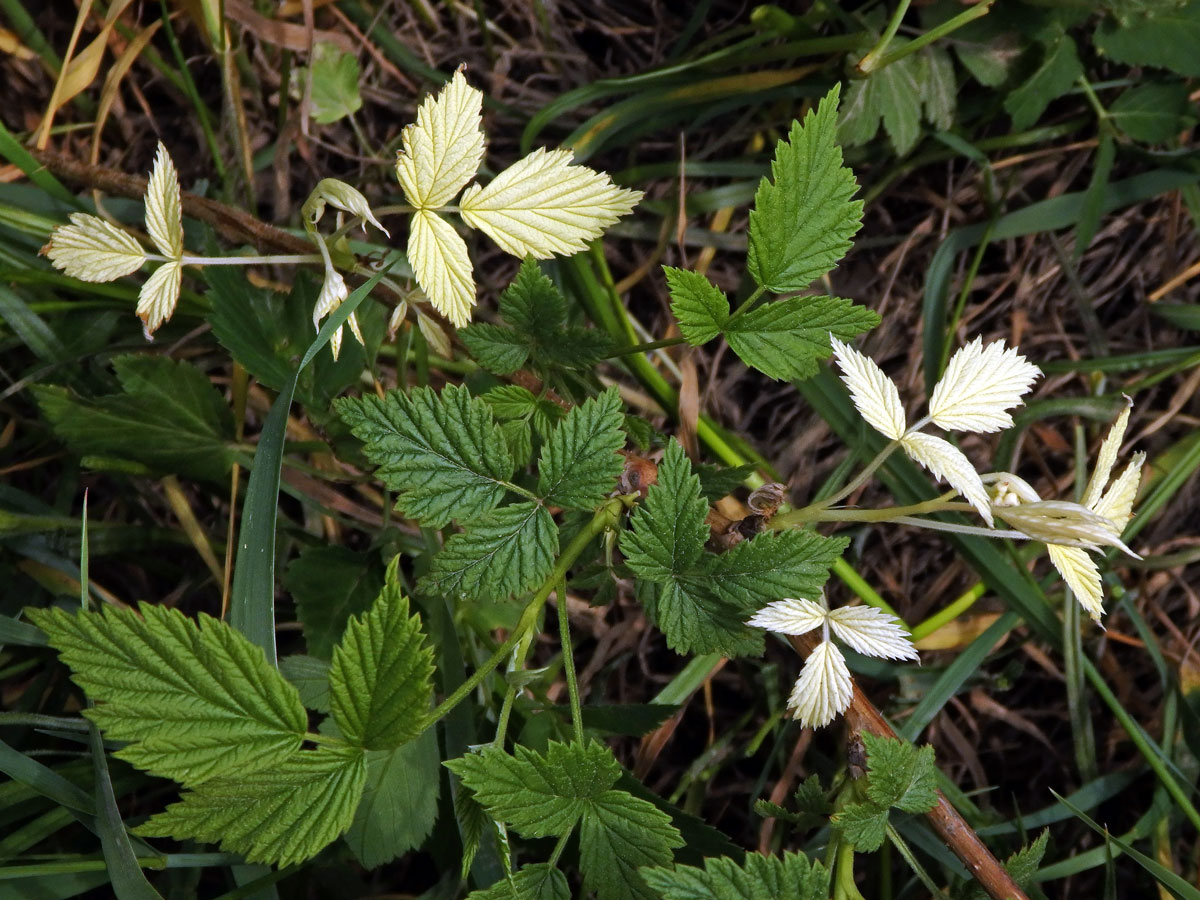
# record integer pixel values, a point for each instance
(547, 795)
(280, 815)
(442, 453)
(901, 775)
(195, 700)
(164, 217)
(874, 394)
(159, 294)
(579, 464)
(505, 552)
(329, 585)
(542, 205)
(539, 881)
(871, 632)
(439, 261)
(399, 802)
(864, 825)
(91, 249)
(792, 876)
(801, 224)
(979, 385)
(381, 679)
(823, 690)
(167, 416)
(946, 461)
(442, 150)
(700, 306)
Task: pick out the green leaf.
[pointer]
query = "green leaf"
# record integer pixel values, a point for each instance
(901, 775)
(168, 416)
(443, 453)
(1057, 74)
(864, 825)
(792, 876)
(801, 224)
(1153, 113)
(194, 700)
(539, 881)
(580, 463)
(310, 677)
(939, 88)
(542, 796)
(509, 401)
(329, 585)
(381, 679)
(717, 482)
(891, 95)
(399, 802)
(619, 834)
(539, 796)
(1022, 866)
(784, 339)
(700, 306)
(280, 815)
(505, 552)
(335, 79)
(772, 565)
(1168, 40)
(497, 349)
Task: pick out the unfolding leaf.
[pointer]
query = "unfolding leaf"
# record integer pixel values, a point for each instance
(164, 217)
(802, 223)
(158, 296)
(443, 149)
(441, 265)
(381, 679)
(442, 453)
(502, 553)
(194, 700)
(542, 205)
(874, 394)
(946, 461)
(280, 815)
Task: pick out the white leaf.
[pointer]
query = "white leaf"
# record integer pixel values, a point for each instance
(873, 393)
(1117, 503)
(1063, 522)
(91, 249)
(341, 196)
(541, 205)
(442, 151)
(439, 260)
(1106, 459)
(823, 690)
(164, 219)
(871, 632)
(333, 292)
(438, 342)
(790, 616)
(158, 296)
(946, 461)
(980, 383)
(1082, 576)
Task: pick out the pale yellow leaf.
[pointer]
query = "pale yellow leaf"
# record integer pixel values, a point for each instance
(871, 632)
(979, 385)
(946, 461)
(442, 150)
(1082, 576)
(341, 196)
(1116, 504)
(874, 394)
(1106, 458)
(439, 260)
(790, 616)
(542, 205)
(333, 292)
(164, 218)
(438, 342)
(91, 249)
(158, 296)
(824, 689)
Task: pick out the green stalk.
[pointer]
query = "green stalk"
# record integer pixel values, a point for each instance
(873, 60)
(953, 24)
(564, 638)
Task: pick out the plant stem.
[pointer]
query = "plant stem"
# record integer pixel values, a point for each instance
(649, 345)
(748, 305)
(282, 260)
(606, 517)
(564, 638)
(933, 34)
(873, 59)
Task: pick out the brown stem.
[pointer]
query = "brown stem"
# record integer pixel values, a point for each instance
(949, 825)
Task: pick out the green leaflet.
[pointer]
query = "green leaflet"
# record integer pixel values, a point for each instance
(1153, 112)
(335, 80)
(280, 815)
(195, 700)
(783, 339)
(536, 331)
(802, 223)
(774, 564)
(864, 825)
(311, 678)
(1054, 77)
(579, 464)
(902, 777)
(1167, 39)
(539, 881)
(399, 803)
(505, 552)
(760, 878)
(381, 678)
(168, 416)
(329, 585)
(442, 453)
(1022, 866)
(548, 795)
